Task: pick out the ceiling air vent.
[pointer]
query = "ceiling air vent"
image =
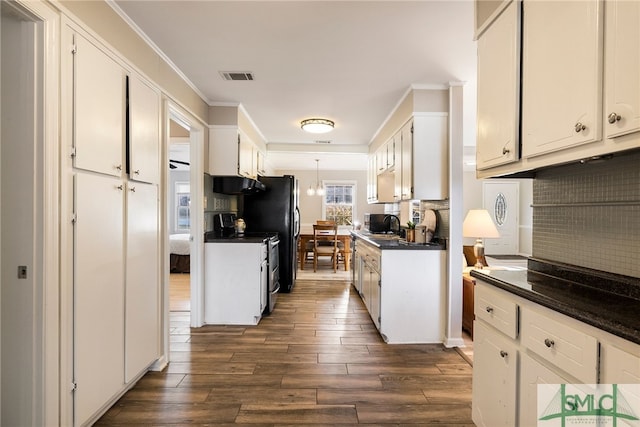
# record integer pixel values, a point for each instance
(237, 75)
(326, 141)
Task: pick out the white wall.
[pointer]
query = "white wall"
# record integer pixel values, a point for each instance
(311, 206)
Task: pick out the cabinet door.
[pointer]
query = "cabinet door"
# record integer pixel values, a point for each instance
(144, 132)
(98, 109)
(142, 287)
(495, 365)
(431, 157)
(620, 366)
(98, 304)
(374, 304)
(562, 75)
(533, 373)
(406, 160)
(245, 157)
(499, 90)
(622, 68)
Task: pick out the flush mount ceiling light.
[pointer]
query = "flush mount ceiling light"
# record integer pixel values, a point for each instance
(317, 125)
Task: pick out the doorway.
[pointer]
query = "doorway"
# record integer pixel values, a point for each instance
(185, 216)
(179, 219)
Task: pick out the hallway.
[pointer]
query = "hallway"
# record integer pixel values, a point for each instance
(317, 359)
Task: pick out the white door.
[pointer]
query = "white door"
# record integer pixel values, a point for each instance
(501, 199)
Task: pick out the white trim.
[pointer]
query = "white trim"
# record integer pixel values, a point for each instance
(222, 127)
(453, 342)
(174, 112)
(429, 86)
(431, 114)
(391, 113)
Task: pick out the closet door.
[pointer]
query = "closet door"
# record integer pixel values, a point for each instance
(98, 304)
(98, 109)
(142, 321)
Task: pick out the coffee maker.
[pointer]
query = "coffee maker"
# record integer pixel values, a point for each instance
(224, 224)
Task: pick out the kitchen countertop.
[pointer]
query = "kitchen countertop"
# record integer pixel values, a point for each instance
(394, 242)
(607, 301)
(211, 237)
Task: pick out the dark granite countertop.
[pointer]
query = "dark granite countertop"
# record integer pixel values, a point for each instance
(607, 301)
(211, 237)
(395, 242)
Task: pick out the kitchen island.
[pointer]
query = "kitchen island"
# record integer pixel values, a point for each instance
(403, 286)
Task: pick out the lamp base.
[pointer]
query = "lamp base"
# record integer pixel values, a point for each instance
(478, 251)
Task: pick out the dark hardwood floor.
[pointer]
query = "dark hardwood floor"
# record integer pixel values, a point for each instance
(317, 359)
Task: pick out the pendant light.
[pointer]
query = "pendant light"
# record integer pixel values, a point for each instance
(319, 190)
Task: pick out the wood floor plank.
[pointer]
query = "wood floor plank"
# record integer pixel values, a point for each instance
(317, 359)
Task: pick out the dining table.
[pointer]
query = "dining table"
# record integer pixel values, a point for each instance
(306, 235)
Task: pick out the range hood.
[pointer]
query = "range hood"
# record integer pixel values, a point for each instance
(230, 184)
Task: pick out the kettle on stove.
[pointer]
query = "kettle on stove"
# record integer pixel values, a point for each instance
(240, 226)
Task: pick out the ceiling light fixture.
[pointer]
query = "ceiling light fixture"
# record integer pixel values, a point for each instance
(317, 125)
(319, 190)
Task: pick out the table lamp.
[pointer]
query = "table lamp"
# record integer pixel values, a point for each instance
(478, 224)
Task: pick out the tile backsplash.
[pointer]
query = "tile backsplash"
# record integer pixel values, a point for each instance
(589, 215)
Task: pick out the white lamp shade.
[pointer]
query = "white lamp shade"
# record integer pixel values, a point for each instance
(478, 224)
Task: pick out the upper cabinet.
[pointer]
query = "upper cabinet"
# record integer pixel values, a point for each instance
(103, 94)
(499, 90)
(562, 75)
(231, 152)
(144, 131)
(622, 68)
(421, 162)
(99, 109)
(580, 84)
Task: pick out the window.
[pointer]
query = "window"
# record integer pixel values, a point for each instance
(183, 201)
(339, 202)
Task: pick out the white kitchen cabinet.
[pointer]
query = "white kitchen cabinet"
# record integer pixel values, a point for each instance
(372, 180)
(430, 156)
(499, 90)
(562, 52)
(406, 162)
(234, 283)
(622, 68)
(496, 359)
(620, 364)
(561, 342)
(98, 109)
(99, 318)
(231, 152)
(142, 285)
(144, 132)
(403, 290)
(533, 373)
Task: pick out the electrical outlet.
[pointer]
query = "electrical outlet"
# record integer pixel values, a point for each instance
(22, 272)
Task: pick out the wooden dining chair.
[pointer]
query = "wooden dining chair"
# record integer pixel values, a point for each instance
(325, 243)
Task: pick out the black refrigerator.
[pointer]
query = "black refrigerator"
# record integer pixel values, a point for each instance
(276, 209)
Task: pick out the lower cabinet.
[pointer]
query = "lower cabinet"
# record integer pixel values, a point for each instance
(234, 283)
(519, 344)
(116, 294)
(403, 290)
(495, 360)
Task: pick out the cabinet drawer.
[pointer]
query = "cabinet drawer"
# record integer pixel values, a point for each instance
(557, 341)
(497, 309)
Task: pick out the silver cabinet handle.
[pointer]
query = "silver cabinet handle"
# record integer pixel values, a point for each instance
(549, 343)
(505, 151)
(136, 172)
(579, 127)
(503, 354)
(613, 117)
(132, 189)
(119, 167)
(119, 187)
(489, 309)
